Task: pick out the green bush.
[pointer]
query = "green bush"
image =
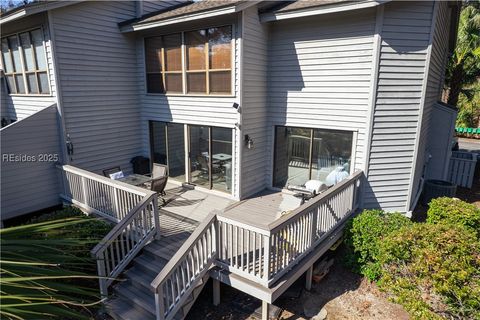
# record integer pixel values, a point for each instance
(363, 236)
(432, 270)
(454, 211)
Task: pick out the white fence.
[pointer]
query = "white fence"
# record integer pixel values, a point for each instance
(461, 168)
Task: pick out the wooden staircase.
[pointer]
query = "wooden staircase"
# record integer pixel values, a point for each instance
(133, 297)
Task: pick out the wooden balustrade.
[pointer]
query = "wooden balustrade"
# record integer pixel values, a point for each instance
(265, 255)
(185, 270)
(135, 210)
(108, 198)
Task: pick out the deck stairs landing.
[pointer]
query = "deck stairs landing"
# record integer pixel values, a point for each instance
(132, 297)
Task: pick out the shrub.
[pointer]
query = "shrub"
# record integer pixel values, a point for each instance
(454, 211)
(363, 236)
(432, 270)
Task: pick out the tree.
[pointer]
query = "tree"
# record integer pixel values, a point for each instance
(464, 66)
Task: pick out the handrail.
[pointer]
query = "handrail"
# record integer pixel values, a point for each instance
(125, 240)
(107, 181)
(119, 227)
(273, 226)
(190, 264)
(135, 210)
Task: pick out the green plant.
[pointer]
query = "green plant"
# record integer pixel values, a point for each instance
(46, 270)
(454, 211)
(432, 270)
(363, 236)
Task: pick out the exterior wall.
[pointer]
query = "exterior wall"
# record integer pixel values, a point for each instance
(28, 186)
(319, 75)
(191, 109)
(21, 106)
(97, 71)
(405, 37)
(149, 6)
(254, 102)
(436, 75)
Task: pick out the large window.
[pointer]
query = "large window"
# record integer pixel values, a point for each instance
(303, 154)
(207, 67)
(24, 63)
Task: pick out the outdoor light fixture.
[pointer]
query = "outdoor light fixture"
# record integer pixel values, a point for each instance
(248, 142)
(237, 106)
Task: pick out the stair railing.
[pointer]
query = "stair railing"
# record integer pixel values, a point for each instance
(134, 209)
(177, 280)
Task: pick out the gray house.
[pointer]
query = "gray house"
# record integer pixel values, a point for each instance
(242, 100)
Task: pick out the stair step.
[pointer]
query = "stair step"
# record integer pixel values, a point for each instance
(163, 249)
(121, 309)
(150, 265)
(140, 278)
(140, 298)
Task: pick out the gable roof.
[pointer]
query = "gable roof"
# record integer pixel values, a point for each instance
(34, 7)
(185, 12)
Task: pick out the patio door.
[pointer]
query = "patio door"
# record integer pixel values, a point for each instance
(167, 147)
(210, 157)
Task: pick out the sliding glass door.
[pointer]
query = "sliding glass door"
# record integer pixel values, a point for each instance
(209, 153)
(303, 154)
(211, 157)
(167, 147)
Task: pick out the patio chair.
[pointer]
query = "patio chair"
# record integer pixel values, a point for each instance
(113, 173)
(159, 179)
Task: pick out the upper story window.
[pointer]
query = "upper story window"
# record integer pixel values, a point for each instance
(24, 63)
(206, 67)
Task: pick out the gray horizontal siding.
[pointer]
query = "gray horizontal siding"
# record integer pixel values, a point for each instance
(436, 74)
(254, 101)
(403, 52)
(97, 70)
(21, 106)
(30, 186)
(149, 6)
(319, 74)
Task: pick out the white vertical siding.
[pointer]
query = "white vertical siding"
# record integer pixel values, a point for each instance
(320, 72)
(191, 109)
(254, 102)
(436, 75)
(405, 39)
(21, 106)
(30, 185)
(97, 71)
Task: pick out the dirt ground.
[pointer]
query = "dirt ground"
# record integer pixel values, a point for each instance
(343, 294)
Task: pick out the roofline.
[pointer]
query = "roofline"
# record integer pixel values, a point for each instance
(34, 8)
(209, 13)
(306, 12)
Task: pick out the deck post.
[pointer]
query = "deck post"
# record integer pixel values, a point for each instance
(308, 280)
(265, 310)
(102, 275)
(216, 292)
(156, 217)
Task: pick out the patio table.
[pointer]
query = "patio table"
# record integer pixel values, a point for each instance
(135, 179)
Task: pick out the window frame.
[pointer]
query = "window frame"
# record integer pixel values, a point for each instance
(24, 72)
(184, 70)
(273, 154)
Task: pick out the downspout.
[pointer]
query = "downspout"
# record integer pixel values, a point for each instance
(240, 103)
(60, 110)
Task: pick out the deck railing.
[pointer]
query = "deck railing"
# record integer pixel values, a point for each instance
(266, 254)
(135, 210)
(461, 169)
(177, 280)
(94, 193)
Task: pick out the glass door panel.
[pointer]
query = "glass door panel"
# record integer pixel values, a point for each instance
(332, 151)
(292, 156)
(199, 155)
(176, 151)
(158, 142)
(221, 159)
